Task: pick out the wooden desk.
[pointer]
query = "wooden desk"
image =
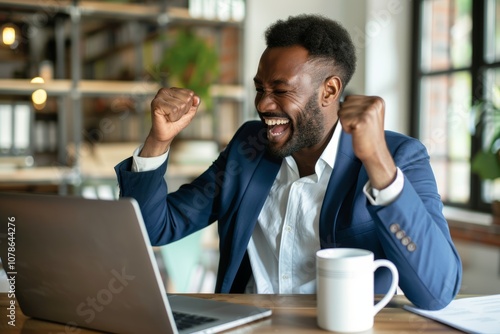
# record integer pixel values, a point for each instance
(291, 314)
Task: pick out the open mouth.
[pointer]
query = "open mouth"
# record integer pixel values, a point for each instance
(276, 126)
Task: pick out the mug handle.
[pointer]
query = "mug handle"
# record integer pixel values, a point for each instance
(394, 283)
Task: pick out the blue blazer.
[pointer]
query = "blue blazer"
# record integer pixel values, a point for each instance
(411, 231)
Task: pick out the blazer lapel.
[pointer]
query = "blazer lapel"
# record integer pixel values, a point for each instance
(251, 204)
(344, 177)
(255, 196)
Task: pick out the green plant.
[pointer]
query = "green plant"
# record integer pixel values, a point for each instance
(486, 163)
(190, 62)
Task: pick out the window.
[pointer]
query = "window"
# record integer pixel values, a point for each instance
(456, 65)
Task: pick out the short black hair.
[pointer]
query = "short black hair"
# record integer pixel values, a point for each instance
(323, 37)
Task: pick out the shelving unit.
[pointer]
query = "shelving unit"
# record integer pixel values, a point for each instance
(70, 90)
(61, 87)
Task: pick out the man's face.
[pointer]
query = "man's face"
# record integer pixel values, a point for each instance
(287, 100)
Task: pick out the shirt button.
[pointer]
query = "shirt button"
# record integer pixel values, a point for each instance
(285, 276)
(411, 247)
(405, 241)
(394, 228)
(400, 234)
(288, 228)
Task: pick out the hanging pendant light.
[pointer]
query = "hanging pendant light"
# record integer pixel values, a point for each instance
(8, 34)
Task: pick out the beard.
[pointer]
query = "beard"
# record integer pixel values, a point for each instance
(308, 130)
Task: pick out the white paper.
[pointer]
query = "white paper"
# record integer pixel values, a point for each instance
(471, 315)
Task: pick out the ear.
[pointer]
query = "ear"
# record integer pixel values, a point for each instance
(332, 88)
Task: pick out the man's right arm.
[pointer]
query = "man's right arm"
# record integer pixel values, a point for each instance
(142, 176)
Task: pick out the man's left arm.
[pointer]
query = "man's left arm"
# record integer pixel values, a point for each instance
(412, 229)
(414, 233)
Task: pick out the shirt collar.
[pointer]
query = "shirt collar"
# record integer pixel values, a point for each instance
(329, 155)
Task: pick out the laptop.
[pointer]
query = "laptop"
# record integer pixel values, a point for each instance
(89, 263)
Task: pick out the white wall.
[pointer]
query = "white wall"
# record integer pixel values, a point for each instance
(388, 58)
(380, 30)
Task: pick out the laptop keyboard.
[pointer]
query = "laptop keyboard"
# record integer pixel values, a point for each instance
(186, 320)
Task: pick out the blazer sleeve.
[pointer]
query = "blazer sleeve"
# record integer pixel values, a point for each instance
(171, 216)
(415, 235)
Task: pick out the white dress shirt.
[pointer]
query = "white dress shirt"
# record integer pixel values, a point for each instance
(283, 245)
(286, 237)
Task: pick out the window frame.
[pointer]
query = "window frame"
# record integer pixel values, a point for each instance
(477, 69)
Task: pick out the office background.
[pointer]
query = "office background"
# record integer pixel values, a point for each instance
(87, 123)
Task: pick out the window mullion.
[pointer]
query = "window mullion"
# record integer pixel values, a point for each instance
(478, 89)
(416, 73)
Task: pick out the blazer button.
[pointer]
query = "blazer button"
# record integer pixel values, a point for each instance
(405, 241)
(411, 247)
(400, 234)
(394, 228)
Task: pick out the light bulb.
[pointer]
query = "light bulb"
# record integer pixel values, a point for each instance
(8, 35)
(37, 80)
(39, 96)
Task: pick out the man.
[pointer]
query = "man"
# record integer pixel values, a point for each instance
(312, 173)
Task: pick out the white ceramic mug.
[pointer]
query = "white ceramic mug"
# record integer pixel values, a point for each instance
(345, 288)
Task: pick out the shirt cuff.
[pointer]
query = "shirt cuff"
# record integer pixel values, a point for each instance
(387, 195)
(141, 164)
